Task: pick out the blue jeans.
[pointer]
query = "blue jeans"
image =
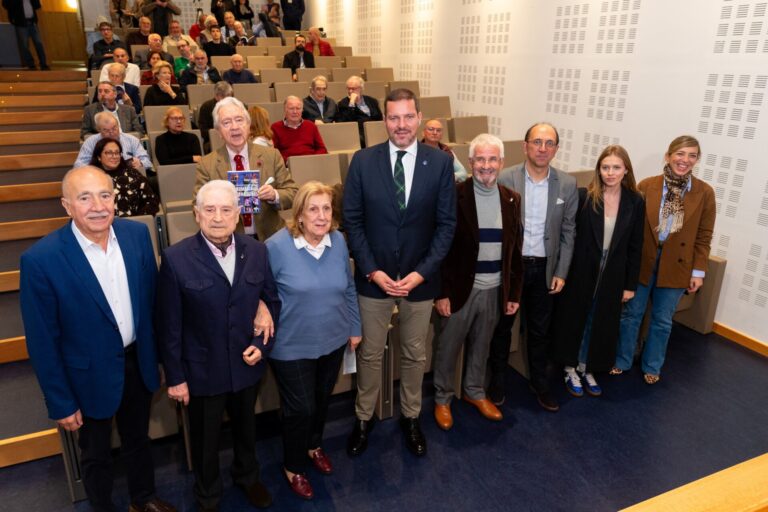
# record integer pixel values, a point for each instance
(23, 34)
(663, 306)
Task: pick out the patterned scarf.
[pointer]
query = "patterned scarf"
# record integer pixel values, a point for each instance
(673, 203)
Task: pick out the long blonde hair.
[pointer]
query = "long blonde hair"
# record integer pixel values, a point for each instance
(595, 188)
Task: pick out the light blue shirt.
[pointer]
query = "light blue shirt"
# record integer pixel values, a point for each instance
(536, 199)
(132, 147)
(664, 233)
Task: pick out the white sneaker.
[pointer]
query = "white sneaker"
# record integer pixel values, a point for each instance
(573, 382)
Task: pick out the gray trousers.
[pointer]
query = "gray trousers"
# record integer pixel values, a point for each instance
(476, 320)
(375, 315)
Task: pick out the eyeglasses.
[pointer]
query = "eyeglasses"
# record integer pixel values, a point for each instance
(433, 129)
(176, 118)
(111, 153)
(549, 144)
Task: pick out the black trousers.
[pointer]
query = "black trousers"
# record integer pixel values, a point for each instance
(305, 389)
(95, 441)
(205, 416)
(536, 303)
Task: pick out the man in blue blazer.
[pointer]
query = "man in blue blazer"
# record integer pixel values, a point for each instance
(87, 292)
(210, 288)
(399, 215)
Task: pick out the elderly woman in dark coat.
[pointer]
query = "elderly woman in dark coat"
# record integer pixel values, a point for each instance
(603, 273)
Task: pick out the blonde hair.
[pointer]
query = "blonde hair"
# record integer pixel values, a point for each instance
(684, 141)
(307, 190)
(595, 188)
(160, 65)
(168, 115)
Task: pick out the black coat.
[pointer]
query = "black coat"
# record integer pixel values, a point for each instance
(15, 10)
(292, 60)
(582, 288)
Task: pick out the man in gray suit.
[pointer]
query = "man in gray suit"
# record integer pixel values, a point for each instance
(107, 102)
(549, 207)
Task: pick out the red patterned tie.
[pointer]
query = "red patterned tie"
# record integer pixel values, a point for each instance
(247, 217)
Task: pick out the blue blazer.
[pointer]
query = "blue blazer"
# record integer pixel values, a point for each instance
(204, 324)
(72, 336)
(383, 238)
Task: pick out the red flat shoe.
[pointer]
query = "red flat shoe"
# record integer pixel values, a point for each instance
(300, 485)
(322, 462)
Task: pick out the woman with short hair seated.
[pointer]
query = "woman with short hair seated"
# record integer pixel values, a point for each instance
(133, 193)
(319, 318)
(176, 146)
(162, 91)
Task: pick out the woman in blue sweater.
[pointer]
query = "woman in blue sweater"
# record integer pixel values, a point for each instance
(319, 316)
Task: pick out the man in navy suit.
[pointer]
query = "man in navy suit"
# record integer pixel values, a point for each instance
(399, 214)
(210, 288)
(87, 292)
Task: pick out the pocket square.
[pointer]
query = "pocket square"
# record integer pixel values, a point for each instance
(560, 201)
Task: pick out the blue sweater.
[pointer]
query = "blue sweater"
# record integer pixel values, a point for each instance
(320, 310)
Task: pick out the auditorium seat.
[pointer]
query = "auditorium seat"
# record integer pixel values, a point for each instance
(342, 74)
(329, 62)
(284, 89)
(251, 51)
(376, 90)
(342, 51)
(272, 76)
(269, 41)
(198, 94)
(513, 152)
(413, 85)
(253, 93)
(375, 132)
(340, 137)
(181, 225)
(464, 129)
(136, 48)
(151, 222)
(361, 61)
(435, 106)
(142, 92)
(278, 51)
(337, 90)
(176, 183)
(322, 168)
(221, 62)
(307, 74)
(274, 109)
(461, 151)
(380, 74)
(257, 63)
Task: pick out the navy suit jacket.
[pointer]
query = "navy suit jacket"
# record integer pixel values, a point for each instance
(204, 324)
(72, 336)
(383, 238)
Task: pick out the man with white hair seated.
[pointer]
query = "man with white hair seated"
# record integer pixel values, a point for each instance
(132, 71)
(232, 120)
(108, 127)
(155, 44)
(358, 107)
(126, 93)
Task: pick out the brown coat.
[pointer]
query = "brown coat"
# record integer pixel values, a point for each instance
(686, 250)
(214, 166)
(458, 268)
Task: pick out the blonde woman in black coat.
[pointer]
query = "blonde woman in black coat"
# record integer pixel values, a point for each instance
(603, 273)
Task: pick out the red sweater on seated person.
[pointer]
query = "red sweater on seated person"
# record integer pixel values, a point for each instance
(303, 140)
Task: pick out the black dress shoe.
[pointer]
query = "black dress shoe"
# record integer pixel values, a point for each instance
(258, 495)
(414, 439)
(546, 400)
(358, 439)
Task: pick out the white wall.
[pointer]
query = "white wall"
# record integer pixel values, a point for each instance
(634, 72)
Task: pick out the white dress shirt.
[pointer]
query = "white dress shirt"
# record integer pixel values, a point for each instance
(109, 268)
(409, 164)
(536, 199)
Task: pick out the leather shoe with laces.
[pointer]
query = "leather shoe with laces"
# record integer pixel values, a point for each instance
(300, 485)
(358, 439)
(258, 495)
(546, 400)
(486, 408)
(443, 416)
(414, 439)
(322, 462)
(153, 505)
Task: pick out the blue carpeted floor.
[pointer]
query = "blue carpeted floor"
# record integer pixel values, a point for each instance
(707, 413)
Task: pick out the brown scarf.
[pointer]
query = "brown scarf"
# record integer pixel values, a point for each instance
(673, 203)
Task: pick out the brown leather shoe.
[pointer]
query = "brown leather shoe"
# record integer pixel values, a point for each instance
(153, 505)
(486, 408)
(322, 462)
(443, 416)
(300, 485)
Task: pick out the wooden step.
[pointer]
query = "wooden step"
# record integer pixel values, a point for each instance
(13, 119)
(13, 349)
(44, 76)
(30, 192)
(39, 137)
(29, 447)
(43, 87)
(31, 102)
(9, 281)
(9, 163)
(21, 230)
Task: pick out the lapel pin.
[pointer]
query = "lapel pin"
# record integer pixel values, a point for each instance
(424, 162)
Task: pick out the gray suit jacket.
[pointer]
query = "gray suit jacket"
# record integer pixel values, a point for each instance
(562, 204)
(129, 121)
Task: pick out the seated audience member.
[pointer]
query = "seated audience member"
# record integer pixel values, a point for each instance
(217, 46)
(237, 74)
(140, 36)
(175, 36)
(261, 131)
(197, 28)
(205, 115)
(162, 92)
(433, 132)
(176, 146)
(228, 28)
(148, 76)
(141, 58)
(318, 295)
(206, 35)
(182, 62)
(200, 72)
(133, 192)
(298, 58)
(293, 136)
(108, 127)
(241, 37)
(216, 320)
(132, 71)
(161, 13)
(358, 107)
(104, 48)
(107, 97)
(265, 28)
(127, 94)
(244, 13)
(233, 124)
(316, 46)
(275, 21)
(318, 107)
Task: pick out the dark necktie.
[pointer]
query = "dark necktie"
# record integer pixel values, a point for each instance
(223, 246)
(399, 176)
(247, 217)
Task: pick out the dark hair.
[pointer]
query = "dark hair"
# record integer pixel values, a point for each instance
(153, 52)
(400, 95)
(557, 135)
(99, 148)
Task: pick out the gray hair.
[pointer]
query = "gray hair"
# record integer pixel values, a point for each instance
(317, 79)
(486, 139)
(291, 97)
(103, 116)
(117, 65)
(224, 185)
(357, 79)
(231, 100)
(106, 82)
(223, 89)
